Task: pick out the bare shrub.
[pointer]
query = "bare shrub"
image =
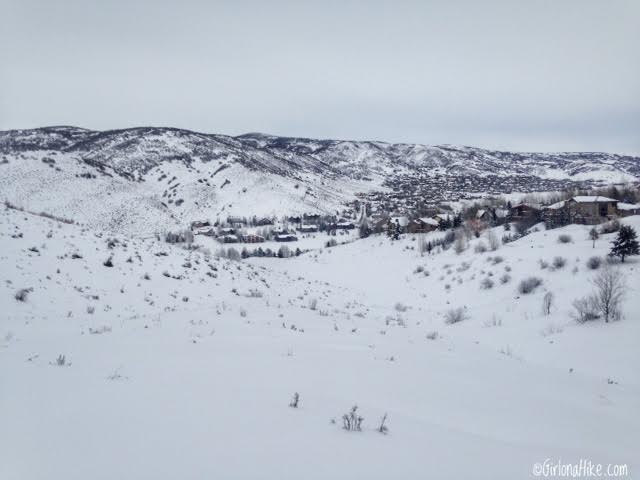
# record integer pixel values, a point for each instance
(352, 421)
(400, 307)
(313, 304)
(22, 294)
(543, 264)
(383, 428)
(486, 284)
(559, 262)
(493, 240)
(594, 263)
(610, 227)
(586, 309)
(480, 248)
(108, 262)
(547, 302)
(497, 259)
(506, 278)
(455, 315)
(564, 238)
(610, 287)
(295, 400)
(528, 285)
(432, 335)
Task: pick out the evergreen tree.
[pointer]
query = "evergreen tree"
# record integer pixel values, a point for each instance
(625, 244)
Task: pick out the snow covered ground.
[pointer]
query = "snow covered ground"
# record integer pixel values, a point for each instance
(181, 365)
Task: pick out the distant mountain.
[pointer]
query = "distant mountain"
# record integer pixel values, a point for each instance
(140, 180)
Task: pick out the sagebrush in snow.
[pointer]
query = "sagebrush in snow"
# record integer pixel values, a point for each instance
(559, 262)
(295, 400)
(528, 285)
(547, 302)
(594, 263)
(564, 238)
(383, 428)
(455, 315)
(22, 294)
(352, 421)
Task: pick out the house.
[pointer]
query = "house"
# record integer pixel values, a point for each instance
(228, 239)
(307, 228)
(591, 210)
(523, 211)
(344, 225)
(626, 209)
(556, 214)
(422, 225)
(200, 224)
(207, 231)
(443, 218)
(484, 215)
(286, 237)
(227, 231)
(261, 222)
(251, 238)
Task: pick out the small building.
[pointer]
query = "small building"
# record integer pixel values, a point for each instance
(556, 214)
(207, 231)
(252, 238)
(200, 224)
(422, 225)
(484, 215)
(523, 211)
(228, 239)
(307, 228)
(443, 218)
(591, 210)
(227, 231)
(345, 225)
(286, 237)
(627, 209)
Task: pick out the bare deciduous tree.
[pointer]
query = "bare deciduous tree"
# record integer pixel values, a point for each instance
(610, 290)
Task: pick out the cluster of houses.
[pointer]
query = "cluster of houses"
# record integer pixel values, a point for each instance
(582, 209)
(234, 229)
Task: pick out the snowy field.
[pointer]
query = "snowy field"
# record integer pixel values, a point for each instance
(180, 365)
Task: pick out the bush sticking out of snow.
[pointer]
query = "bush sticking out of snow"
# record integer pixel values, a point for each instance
(455, 315)
(528, 285)
(352, 421)
(559, 262)
(506, 278)
(486, 284)
(610, 227)
(547, 303)
(594, 263)
(108, 262)
(383, 428)
(22, 294)
(586, 309)
(564, 238)
(480, 248)
(432, 335)
(295, 400)
(400, 307)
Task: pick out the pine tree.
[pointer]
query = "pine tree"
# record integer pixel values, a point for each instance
(625, 244)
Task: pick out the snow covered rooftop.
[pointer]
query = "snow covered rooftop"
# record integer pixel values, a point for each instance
(592, 199)
(628, 206)
(429, 221)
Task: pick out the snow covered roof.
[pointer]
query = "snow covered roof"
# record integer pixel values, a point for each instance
(429, 221)
(403, 221)
(592, 199)
(628, 206)
(443, 216)
(480, 213)
(557, 205)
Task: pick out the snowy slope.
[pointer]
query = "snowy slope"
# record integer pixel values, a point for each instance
(160, 387)
(142, 180)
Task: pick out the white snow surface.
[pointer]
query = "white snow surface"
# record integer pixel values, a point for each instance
(190, 375)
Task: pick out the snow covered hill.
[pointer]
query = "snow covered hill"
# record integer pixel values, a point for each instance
(168, 363)
(143, 180)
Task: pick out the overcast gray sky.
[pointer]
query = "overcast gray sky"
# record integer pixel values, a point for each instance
(522, 75)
